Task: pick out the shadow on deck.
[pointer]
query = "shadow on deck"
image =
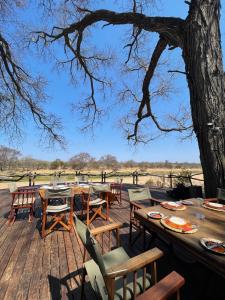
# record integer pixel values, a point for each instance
(50, 268)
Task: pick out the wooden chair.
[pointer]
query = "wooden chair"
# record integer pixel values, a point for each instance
(57, 204)
(114, 275)
(116, 193)
(94, 201)
(21, 199)
(143, 196)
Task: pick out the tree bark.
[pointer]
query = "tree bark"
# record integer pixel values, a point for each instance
(203, 59)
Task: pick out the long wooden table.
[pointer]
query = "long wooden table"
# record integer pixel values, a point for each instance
(212, 226)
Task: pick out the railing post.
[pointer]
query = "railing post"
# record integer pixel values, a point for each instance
(34, 177)
(30, 178)
(133, 174)
(136, 177)
(104, 177)
(171, 180)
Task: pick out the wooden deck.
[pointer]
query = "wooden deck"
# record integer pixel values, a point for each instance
(35, 268)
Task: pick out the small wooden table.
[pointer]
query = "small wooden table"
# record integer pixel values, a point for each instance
(212, 226)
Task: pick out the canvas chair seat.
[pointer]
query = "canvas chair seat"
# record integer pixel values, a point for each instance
(57, 208)
(97, 202)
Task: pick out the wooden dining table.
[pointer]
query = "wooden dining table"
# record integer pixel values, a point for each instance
(210, 223)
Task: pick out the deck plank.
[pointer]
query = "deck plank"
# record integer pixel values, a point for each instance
(10, 258)
(46, 267)
(29, 267)
(15, 279)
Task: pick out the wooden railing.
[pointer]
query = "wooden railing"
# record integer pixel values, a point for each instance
(103, 177)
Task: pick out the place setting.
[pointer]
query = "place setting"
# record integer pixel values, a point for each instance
(172, 205)
(178, 224)
(214, 206)
(213, 245)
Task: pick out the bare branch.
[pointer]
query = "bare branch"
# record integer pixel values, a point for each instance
(145, 110)
(20, 92)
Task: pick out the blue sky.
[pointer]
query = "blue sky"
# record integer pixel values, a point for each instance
(108, 138)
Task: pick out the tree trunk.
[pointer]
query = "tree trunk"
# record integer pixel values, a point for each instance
(203, 59)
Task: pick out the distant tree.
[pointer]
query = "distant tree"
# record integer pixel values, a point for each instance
(108, 161)
(8, 157)
(81, 160)
(129, 164)
(56, 164)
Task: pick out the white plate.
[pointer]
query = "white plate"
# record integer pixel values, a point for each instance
(187, 202)
(171, 203)
(203, 243)
(152, 213)
(46, 186)
(216, 205)
(177, 220)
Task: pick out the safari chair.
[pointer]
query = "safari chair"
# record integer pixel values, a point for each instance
(21, 199)
(116, 193)
(94, 201)
(143, 196)
(57, 203)
(114, 275)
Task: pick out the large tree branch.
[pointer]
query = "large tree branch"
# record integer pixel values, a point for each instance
(145, 110)
(170, 28)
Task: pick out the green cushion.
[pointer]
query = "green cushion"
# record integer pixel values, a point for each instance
(115, 257)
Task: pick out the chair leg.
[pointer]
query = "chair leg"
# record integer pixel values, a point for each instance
(11, 215)
(130, 234)
(82, 283)
(44, 217)
(31, 215)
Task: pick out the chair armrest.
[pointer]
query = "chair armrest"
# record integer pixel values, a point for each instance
(156, 200)
(210, 199)
(137, 206)
(164, 288)
(103, 229)
(134, 263)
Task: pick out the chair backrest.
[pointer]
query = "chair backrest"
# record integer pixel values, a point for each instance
(82, 178)
(12, 187)
(58, 193)
(90, 244)
(139, 194)
(220, 194)
(100, 188)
